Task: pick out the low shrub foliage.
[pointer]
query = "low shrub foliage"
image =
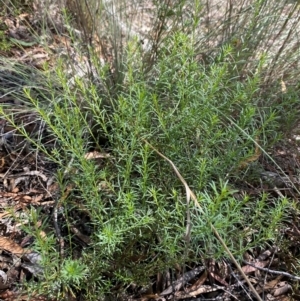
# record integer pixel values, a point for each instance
(208, 117)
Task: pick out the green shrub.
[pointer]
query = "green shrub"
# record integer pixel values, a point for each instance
(207, 117)
(201, 118)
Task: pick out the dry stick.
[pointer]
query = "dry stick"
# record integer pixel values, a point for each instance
(272, 271)
(190, 193)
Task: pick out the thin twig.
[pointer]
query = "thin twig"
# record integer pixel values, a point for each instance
(57, 231)
(193, 196)
(272, 271)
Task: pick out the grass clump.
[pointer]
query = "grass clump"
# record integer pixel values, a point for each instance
(206, 115)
